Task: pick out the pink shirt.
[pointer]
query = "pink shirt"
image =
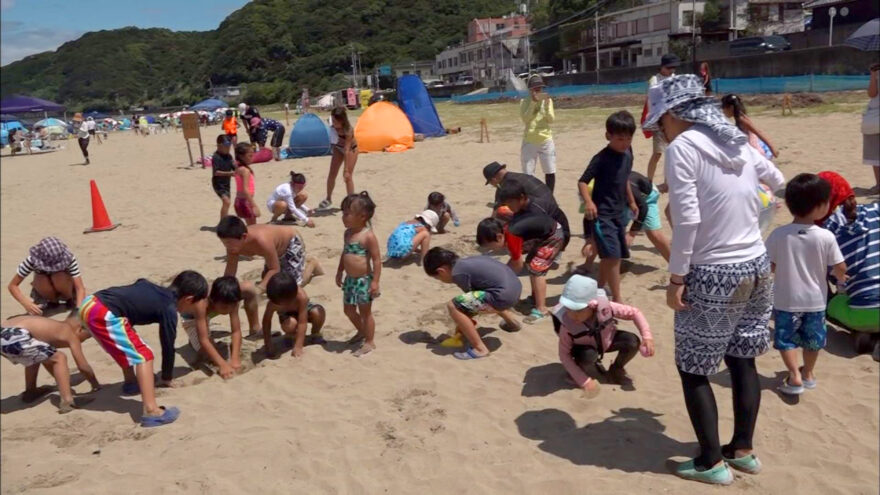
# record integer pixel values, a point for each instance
(570, 328)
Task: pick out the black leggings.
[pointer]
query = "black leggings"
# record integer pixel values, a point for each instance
(84, 146)
(625, 343)
(703, 411)
(550, 180)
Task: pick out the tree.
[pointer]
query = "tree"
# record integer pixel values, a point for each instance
(710, 20)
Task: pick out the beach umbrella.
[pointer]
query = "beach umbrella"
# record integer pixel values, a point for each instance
(867, 37)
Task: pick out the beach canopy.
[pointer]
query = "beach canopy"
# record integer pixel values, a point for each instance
(383, 125)
(310, 137)
(418, 107)
(25, 104)
(53, 126)
(210, 105)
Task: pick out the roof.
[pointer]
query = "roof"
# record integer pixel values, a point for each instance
(824, 3)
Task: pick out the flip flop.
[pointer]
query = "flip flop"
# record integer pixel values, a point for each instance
(131, 389)
(789, 389)
(534, 317)
(324, 204)
(468, 354)
(168, 416)
(808, 384)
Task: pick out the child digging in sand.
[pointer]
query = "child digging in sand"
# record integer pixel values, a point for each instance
(438, 204)
(413, 236)
(586, 322)
(800, 255)
(223, 299)
(281, 247)
(34, 340)
(109, 315)
(489, 287)
(294, 310)
(360, 260)
(289, 199)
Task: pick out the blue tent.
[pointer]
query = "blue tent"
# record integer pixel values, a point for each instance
(209, 105)
(418, 107)
(95, 115)
(310, 137)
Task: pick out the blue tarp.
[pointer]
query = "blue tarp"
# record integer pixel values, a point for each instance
(750, 85)
(418, 107)
(7, 126)
(310, 137)
(209, 105)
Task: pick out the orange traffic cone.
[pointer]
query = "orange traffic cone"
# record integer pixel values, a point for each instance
(100, 219)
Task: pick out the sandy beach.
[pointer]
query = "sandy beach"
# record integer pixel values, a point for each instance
(407, 418)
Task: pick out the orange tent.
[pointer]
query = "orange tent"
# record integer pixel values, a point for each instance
(383, 125)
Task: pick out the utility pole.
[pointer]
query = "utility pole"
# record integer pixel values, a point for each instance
(596, 19)
(694, 32)
(353, 67)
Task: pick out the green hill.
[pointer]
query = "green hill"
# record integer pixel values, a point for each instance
(274, 47)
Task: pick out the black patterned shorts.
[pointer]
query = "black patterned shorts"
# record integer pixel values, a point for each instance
(728, 313)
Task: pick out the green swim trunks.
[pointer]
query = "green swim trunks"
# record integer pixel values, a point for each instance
(860, 320)
(356, 290)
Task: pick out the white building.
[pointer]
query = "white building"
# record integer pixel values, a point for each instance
(487, 60)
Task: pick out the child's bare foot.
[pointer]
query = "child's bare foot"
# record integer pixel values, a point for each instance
(364, 349)
(66, 406)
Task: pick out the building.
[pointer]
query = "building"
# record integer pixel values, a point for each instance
(422, 68)
(489, 61)
(769, 17)
(635, 37)
(857, 12)
(509, 26)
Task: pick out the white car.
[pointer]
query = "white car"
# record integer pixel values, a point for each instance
(545, 71)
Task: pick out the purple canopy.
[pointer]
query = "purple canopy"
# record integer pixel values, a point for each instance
(24, 104)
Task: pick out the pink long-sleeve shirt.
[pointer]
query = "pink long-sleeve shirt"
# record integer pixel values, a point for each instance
(571, 327)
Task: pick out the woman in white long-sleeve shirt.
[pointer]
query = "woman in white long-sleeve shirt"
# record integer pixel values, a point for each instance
(720, 281)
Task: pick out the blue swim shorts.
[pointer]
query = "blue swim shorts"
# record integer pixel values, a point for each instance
(805, 330)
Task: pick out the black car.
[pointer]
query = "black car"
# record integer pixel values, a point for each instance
(758, 44)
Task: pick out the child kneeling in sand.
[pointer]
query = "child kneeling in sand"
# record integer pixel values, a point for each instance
(586, 322)
(109, 315)
(223, 299)
(489, 287)
(438, 204)
(294, 310)
(413, 236)
(34, 340)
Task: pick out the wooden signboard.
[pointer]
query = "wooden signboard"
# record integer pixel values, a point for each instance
(190, 124)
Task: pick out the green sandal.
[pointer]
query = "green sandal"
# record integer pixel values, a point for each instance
(749, 464)
(718, 475)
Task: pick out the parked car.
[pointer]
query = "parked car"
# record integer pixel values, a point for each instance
(545, 71)
(523, 75)
(757, 45)
(435, 84)
(464, 80)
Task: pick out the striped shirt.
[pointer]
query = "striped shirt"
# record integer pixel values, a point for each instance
(27, 266)
(859, 242)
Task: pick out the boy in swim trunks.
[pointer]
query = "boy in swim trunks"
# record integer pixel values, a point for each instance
(222, 168)
(281, 247)
(109, 315)
(605, 208)
(489, 287)
(223, 299)
(542, 238)
(291, 302)
(34, 340)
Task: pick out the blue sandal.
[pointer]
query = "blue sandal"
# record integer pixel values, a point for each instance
(168, 416)
(469, 354)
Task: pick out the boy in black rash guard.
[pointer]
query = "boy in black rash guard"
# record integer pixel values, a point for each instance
(109, 315)
(543, 239)
(223, 168)
(604, 209)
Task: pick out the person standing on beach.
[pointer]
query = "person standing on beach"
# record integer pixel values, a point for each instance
(536, 112)
(82, 135)
(345, 152)
(720, 283)
(668, 64)
(871, 127)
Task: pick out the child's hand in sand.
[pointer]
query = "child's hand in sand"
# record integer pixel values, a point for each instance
(33, 309)
(235, 364)
(591, 389)
(310, 223)
(226, 372)
(297, 351)
(647, 347)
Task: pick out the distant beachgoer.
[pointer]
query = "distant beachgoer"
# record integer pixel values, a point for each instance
(93, 129)
(668, 64)
(707, 78)
(246, 113)
(259, 131)
(871, 127)
(82, 135)
(734, 108)
(230, 127)
(536, 112)
(718, 266)
(344, 151)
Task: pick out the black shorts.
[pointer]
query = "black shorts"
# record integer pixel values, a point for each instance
(278, 137)
(91, 132)
(284, 316)
(609, 235)
(222, 188)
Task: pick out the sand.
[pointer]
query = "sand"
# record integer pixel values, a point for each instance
(407, 418)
